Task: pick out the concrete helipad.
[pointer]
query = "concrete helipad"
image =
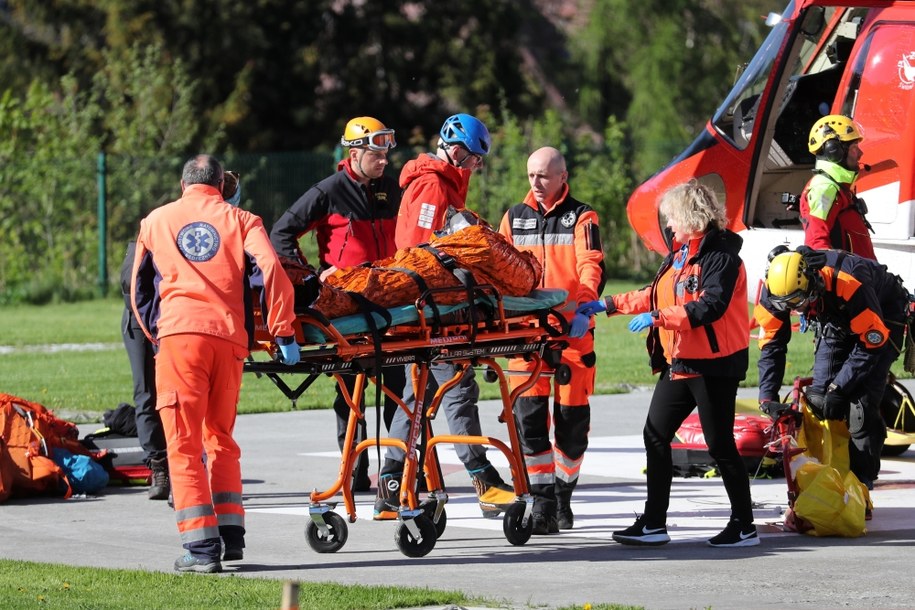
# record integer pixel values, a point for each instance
(287, 454)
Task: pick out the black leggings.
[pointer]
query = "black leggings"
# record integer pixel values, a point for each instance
(671, 403)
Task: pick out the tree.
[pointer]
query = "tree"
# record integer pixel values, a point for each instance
(663, 65)
(47, 224)
(139, 108)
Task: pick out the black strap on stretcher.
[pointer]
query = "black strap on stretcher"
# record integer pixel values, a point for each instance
(423, 287)
(288, 392)
(368, 309)
(466, 279)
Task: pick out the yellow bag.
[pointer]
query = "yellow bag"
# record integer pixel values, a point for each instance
(833, 505)
(830, 497)
(827, 441)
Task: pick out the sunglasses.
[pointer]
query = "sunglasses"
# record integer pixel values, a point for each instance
(381, 140)
(469, 156)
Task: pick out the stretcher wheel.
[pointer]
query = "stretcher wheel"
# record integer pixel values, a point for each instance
(410, 546)
(489, 375)
(334, 540)
(515, 533)
(562, 374)
(429, 511)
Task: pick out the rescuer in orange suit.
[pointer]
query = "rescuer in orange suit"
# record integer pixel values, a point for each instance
(190, 292)
(564, 235)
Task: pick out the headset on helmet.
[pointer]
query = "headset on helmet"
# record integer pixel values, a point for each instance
(830, 136)
(468, 131)
(368, 132)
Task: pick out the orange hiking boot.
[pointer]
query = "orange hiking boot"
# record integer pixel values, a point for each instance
(494, 494)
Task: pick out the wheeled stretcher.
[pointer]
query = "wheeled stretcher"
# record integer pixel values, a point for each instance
(424, 333)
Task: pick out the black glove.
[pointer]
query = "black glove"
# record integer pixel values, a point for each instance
(836, 405)
(773, 409)
(815, 402)
(831, 405)
(815, 259)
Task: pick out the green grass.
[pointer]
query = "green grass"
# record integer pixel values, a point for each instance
(83, 384)
(31, 585)
(25, 584)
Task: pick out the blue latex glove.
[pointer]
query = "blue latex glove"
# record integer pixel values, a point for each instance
(579, 326)
(592, 307)
(290, 353)
(641, 322)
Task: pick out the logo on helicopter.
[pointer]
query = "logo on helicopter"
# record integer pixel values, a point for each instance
(906, 67)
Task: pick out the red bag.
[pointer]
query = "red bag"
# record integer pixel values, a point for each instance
(751, 433)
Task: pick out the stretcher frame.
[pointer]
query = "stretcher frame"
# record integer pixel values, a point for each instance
(472, 340)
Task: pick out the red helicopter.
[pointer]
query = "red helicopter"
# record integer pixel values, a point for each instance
(821, 57)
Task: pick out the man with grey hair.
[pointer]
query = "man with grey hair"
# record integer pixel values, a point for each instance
(191, 295)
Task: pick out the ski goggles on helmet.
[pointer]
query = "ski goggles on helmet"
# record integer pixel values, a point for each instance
(382, 140)
(796, 301)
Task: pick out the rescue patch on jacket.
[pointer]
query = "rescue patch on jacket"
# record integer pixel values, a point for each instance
(198, 241)
(873, 337)
(568, 219)
(524, 224)
(690, 285)
(426, 215)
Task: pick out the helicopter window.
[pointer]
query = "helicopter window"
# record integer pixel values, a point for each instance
(736, 115)
(812, 87)
(851, 96)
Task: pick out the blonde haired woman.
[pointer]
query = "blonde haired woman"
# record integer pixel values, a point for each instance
(695, 311)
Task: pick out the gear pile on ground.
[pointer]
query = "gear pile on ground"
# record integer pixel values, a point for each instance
(392, 281)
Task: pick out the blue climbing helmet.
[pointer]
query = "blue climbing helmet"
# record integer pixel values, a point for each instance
(468, 131)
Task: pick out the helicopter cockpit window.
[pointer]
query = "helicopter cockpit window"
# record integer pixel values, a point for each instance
(823, 46)
(812, 84)
(736, 115)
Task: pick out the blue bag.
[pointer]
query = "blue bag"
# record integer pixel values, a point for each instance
(86, 476)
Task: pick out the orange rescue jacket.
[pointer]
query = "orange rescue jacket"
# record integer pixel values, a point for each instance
(703, 326)
(194, 257)
(565, 239)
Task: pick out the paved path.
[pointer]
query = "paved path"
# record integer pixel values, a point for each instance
(288, 454)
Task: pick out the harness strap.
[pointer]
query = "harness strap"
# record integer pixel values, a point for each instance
(368, 310)
(466, 279)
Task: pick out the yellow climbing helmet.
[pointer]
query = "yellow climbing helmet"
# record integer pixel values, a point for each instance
(833, 127)
(787, 281)
(368, 132)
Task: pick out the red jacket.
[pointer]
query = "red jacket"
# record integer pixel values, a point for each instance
(430, 186)
(352, 223)
(190, 273)
(829, 213)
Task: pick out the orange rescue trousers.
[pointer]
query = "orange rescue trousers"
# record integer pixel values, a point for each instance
(198, 379)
